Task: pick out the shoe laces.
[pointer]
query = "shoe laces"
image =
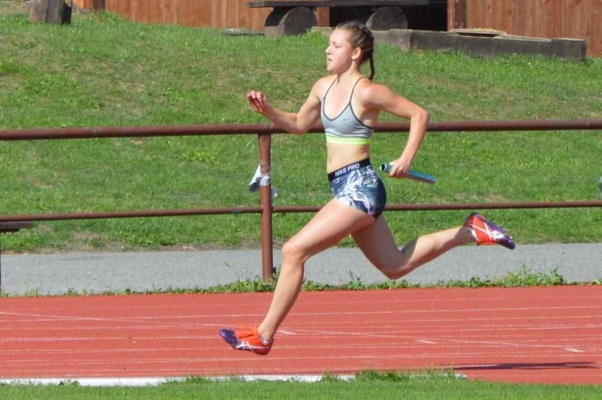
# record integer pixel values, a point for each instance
(485, 228)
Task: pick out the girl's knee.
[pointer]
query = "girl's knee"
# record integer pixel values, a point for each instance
(391, 274)
(292, 251)
(393, 271)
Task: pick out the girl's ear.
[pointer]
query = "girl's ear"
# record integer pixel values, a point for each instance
(356, 55)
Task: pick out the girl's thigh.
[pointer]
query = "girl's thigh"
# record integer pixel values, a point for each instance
(330, 225)
(378, 244)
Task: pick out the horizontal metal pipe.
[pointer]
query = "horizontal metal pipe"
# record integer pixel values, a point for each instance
(468, 206)
(521, 125)
(292, 209)
(247, 129)
(130, 214)
(135, 131)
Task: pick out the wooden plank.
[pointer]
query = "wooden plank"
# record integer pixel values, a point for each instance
(456, 12)
(323, 16)
(508, 16)
(518, 17)
(594, 37)
(556, 19)
(579, 13)
(487, 14)
(118, 7)
(544, 8)
(341, 3)
(149, 8)
(498, 8)
(168, 9)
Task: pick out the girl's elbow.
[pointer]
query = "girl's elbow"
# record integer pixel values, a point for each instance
(299, 128)
(421, 117)
(298, 131)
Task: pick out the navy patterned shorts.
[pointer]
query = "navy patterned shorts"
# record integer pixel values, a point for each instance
(359, 186)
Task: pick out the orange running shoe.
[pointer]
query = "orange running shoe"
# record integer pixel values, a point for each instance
(247, 339)
(487, 233)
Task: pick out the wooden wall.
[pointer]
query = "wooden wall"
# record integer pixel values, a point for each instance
(579, 19)
(209, 13)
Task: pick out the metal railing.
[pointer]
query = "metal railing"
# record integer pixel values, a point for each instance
(264, 133)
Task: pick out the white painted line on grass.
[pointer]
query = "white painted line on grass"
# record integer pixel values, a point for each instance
(140, 382)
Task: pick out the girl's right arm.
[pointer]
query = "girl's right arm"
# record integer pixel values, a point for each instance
(296, 123)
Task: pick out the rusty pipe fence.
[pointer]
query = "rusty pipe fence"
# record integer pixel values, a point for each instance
(264, 133)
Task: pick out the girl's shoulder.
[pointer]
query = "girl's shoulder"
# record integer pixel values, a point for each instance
(321, 85)
(325, 80)
(365, 88)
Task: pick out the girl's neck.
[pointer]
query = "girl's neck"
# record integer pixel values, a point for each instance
(348, 77)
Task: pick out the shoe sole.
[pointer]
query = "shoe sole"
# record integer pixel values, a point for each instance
(230, 337)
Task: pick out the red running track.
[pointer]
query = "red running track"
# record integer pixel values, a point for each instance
(539, 335)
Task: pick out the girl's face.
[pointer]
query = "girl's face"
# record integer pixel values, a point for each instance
(339, 53)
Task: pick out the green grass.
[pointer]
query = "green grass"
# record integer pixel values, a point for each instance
(522, 278)
(106, 71)
(367, 385)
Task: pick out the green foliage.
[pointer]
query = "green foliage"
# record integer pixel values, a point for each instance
(368, 384)
(404, 376)
(522, 278)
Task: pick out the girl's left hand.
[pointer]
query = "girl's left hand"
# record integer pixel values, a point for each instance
(400, 169)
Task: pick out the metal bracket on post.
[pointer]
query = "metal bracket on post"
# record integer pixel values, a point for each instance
(258, 180)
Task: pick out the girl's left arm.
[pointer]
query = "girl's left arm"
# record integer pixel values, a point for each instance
(382, 98)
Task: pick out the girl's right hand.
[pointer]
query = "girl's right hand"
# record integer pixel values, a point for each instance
(258, 101)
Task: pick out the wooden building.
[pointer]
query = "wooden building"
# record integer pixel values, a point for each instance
(218, 14)
(579, 19)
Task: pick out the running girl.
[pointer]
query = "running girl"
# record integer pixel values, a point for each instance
(348, 104)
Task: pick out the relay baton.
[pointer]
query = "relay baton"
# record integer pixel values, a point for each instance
(415, 175)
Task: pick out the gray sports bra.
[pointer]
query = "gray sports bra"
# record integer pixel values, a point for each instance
(346, 127)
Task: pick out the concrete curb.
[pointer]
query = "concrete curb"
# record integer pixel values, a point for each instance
(57, 274)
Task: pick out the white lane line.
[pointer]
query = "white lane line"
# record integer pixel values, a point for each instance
(574, 350)
(516, 344)
(196, 302)
(317, 314)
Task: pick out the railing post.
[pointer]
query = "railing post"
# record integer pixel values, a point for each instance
(0, 263)
(267, 257)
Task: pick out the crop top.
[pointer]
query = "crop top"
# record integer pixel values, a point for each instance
(346, 128)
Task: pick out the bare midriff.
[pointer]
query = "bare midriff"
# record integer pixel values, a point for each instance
(340, 155)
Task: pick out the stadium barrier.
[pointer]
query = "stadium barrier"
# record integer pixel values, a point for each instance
(264, 133)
